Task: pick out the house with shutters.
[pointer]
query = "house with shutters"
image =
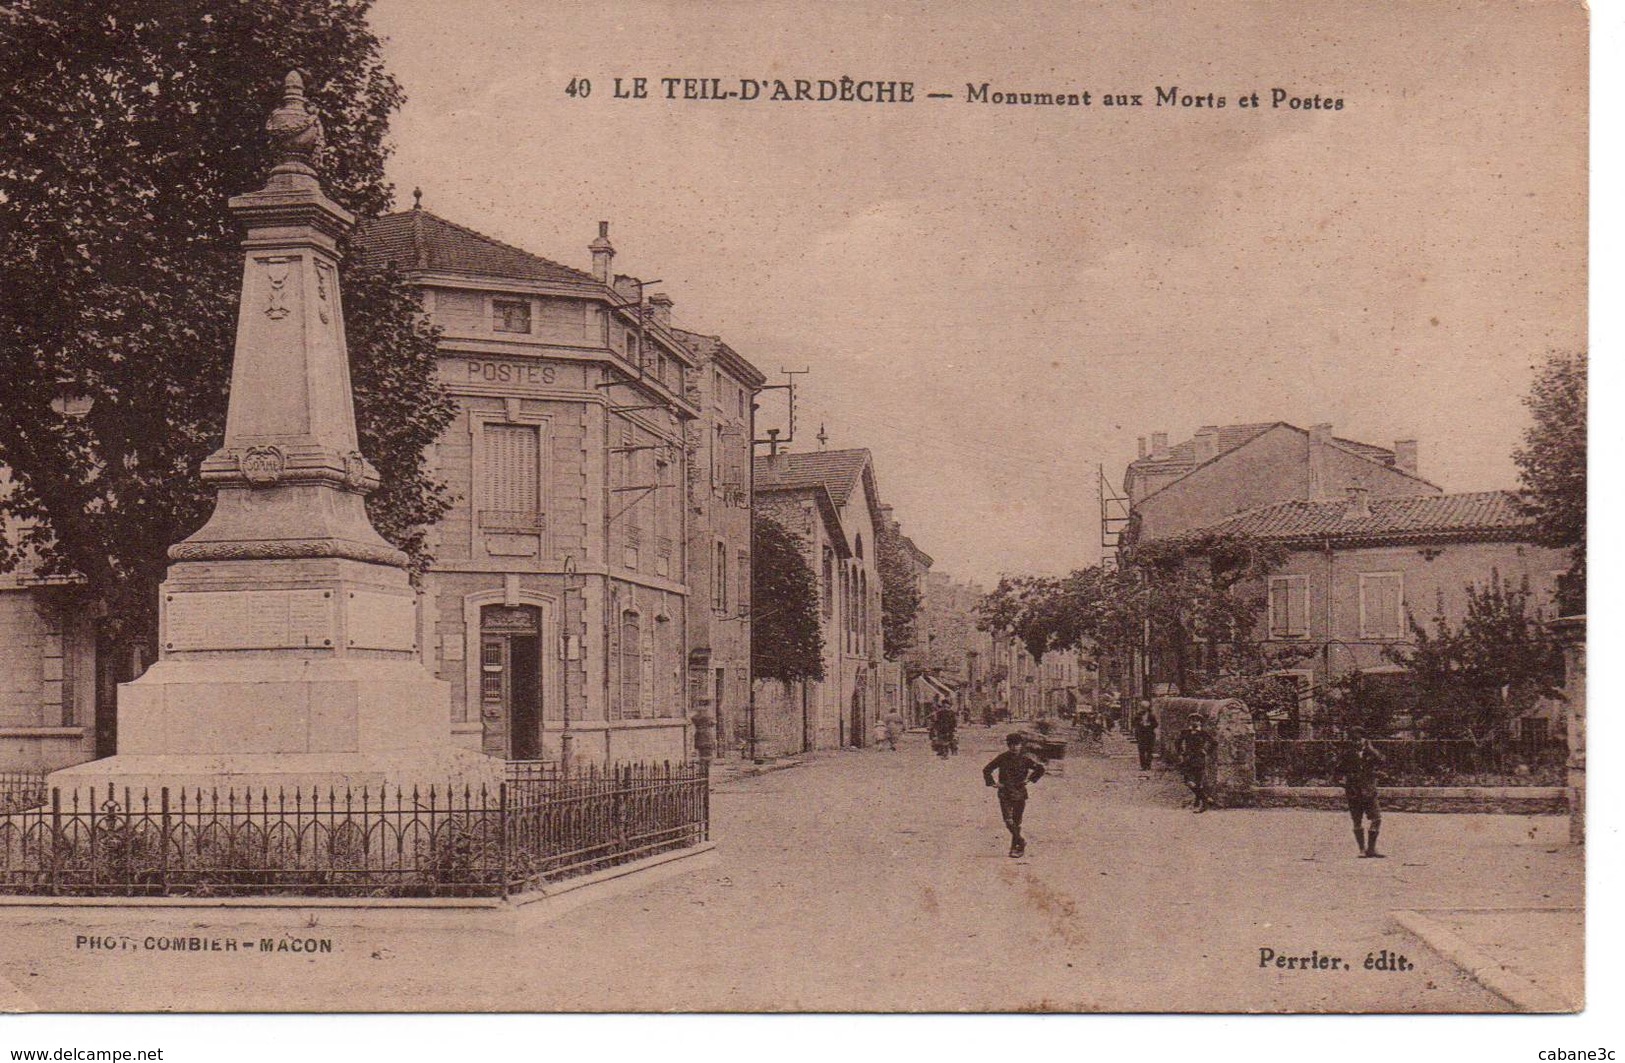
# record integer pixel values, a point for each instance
(1360, 570)
(1223, 470)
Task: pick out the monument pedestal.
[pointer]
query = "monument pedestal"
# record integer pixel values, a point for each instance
(286, 674)
(288, 630)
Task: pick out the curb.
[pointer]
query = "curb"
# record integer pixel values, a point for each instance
(305, 913)
(1515, 989)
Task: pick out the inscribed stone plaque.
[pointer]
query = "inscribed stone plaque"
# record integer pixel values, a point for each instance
(248, 620)
(381, 621)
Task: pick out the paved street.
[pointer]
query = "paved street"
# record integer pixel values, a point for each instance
(879, 881)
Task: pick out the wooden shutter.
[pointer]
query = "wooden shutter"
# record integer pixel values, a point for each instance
(1380, 605)
(512, 469)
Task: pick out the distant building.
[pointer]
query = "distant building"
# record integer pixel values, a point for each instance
(828, 499)
(1223, 470)
(949, 647)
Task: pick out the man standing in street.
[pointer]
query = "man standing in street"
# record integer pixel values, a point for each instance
(1145, 734)
(1015, 770)
(1357, 765)
(1196, 747)
(944, 729)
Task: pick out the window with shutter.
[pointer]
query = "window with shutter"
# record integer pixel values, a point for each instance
(743, 600)
(512, 477)
(1382, 600)
(631, 666)
(1289, 612)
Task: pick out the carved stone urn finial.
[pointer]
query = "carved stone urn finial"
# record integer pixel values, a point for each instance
(295, 130)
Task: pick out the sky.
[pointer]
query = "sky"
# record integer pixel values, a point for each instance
(997, 301)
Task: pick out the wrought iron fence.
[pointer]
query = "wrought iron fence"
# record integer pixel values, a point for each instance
(20, 790)
(1417, 762)
(417, 843)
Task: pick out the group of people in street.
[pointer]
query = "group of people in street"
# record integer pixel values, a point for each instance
(1357, 765)
(1194, 752)
(942, 727)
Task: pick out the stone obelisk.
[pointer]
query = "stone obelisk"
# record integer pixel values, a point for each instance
(288, 648)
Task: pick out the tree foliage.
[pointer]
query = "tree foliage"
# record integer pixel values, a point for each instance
(787, 640)
(127, 127)
(1472, 680)
(899, 592)
(1552, 465)
(1197, 594)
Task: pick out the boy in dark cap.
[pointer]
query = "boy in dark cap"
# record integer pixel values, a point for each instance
(1196, 746)
(1015, 770)
(1357, 765)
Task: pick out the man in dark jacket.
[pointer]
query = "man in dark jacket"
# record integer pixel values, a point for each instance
(1357, 766)
(944, 729)
(1015, 770)
(1145, 734)
(1196, 748)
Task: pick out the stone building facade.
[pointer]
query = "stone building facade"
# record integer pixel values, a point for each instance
(829, 500)
(558, 602)
(719, 541)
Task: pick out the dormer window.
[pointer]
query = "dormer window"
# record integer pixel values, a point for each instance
(510, 315)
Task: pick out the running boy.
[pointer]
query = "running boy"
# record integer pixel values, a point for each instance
(1015, 769)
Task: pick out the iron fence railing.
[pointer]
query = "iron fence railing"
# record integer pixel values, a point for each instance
(20, 790)
(1417, 762)
(540, 825)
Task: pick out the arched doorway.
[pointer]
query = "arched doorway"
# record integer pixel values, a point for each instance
(511, 681)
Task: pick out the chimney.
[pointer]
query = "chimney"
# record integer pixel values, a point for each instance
(1319, 436)
(1141, 441)
(1159, 446)
(630, 289)
(660, 309)
(1207, 443)
(602, 252)
(1359, 504)
(1405, 456)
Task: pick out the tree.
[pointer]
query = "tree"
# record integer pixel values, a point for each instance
(899, 592)
(128, 125)
(1473, 680)
(787, 640)
(1198, 595)
(1552, 466)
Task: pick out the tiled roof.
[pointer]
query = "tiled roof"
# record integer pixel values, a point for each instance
(1481, 514)
(838, 471)
(419, 240)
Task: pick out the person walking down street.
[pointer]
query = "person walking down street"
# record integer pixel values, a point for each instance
(944, 729)
(1196, 748)
(1145, 734)
(1014, 769)
(1357, 765)
(894, 729)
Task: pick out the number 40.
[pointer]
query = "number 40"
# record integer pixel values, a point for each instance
(579, 87)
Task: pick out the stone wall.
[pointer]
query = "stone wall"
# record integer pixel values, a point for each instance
(1505, 800)
(1231, 771)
